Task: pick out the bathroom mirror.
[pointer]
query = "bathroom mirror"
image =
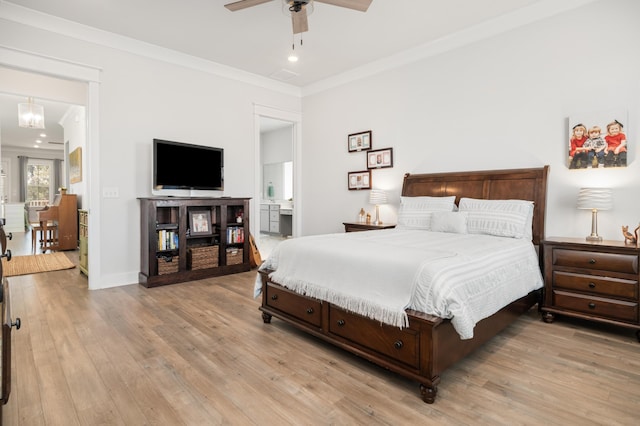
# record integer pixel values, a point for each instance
(277, 181)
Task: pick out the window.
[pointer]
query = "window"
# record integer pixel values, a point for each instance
(39, 180)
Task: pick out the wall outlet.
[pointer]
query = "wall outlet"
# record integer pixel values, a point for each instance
(110, 192)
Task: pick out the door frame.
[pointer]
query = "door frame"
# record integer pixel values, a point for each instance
(295, 118)
(56, 67)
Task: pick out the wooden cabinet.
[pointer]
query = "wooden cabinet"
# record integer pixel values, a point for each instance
(177, 246)
(592, 281)
(264, 218)
(83, 234)
(358, 226)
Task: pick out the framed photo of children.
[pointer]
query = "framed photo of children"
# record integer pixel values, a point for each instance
(359, 180)
(380, 158)
(359, 141)
(200, 222)
(598, 140)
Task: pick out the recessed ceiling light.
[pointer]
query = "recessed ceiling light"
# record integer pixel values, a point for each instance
(38, 141)
(43, 135)
(36, 146)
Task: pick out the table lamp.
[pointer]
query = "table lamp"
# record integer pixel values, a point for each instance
(377, 197)
(595, 199)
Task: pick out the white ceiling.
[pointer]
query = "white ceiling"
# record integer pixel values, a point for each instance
(257, 40)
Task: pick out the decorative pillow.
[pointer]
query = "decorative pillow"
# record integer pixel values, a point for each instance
(455, 222)
(415, 212)
(504, 218)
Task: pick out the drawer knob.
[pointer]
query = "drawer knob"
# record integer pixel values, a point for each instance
(398, 344)
(341, 323)
(592, 285)
(274, 297)
(592, 261)
(592, 305)
(309, 311)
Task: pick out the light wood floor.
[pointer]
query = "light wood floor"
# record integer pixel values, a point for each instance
(198, 353)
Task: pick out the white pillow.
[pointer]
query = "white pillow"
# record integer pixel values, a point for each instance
(504, 218)
(455, 222)
(415, 212)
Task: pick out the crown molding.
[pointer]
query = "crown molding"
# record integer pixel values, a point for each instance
(535, 12)
(43, 21)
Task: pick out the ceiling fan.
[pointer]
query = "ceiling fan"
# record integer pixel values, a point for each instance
(298, 9)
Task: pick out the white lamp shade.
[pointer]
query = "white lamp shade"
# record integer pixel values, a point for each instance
(377, 196)
(595, 198)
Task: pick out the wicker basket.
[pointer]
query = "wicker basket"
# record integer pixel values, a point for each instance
(202, 257)
(234, 256)
(168, 265)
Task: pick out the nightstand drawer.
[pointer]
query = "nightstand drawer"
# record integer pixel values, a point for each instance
(594, 260)
(597, 306)
(606, 286)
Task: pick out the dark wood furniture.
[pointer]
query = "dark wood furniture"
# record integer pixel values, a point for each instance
(172, 253)
(7, 325)
(357, 226)
(64, 215)
(430, 344)
(596, 281)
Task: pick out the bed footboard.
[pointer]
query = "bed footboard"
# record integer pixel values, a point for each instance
(420, 352)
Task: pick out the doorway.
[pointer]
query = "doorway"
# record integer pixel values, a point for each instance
(277, 182)
(79, 85)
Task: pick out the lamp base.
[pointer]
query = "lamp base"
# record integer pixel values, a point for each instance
(594, 238)
(377, 221)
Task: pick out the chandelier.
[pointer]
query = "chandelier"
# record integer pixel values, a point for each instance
(31, 115)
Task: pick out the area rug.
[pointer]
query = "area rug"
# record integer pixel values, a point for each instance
(35, 263)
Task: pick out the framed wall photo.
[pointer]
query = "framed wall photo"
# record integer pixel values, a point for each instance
(75, 165)
(359, 141)
(359, 180)
(598, 139)
(380, 158)
(200, 222)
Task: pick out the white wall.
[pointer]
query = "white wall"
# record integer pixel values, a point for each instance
(499, 103)
(140, 99)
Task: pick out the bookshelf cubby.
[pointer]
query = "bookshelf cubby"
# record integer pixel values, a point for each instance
(172, 253)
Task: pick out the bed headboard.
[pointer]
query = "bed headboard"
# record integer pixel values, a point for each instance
(520, 184)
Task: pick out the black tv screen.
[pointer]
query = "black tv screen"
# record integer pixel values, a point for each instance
(178, 165)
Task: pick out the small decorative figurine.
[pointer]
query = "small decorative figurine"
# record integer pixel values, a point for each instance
(630, 238)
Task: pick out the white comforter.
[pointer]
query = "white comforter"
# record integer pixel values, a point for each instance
(379, 274)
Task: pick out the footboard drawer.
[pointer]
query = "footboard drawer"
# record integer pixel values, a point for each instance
(294, 304)
(399, 344)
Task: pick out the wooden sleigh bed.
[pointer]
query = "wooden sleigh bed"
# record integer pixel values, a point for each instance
(429, 345)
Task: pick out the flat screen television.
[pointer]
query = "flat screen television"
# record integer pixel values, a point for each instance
(178, 165)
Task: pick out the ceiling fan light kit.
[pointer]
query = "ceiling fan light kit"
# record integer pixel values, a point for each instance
(301, 9)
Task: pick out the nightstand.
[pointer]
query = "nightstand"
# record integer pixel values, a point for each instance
(592, 281)
(358, 226)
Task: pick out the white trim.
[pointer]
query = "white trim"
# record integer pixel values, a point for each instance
(523, 16)
(296, 119)
(54, 66)
(35, 63)
(43, 21)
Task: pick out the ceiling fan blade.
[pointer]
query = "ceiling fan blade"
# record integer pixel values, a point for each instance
(243, 4)
(361, 5)
(299, 21)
